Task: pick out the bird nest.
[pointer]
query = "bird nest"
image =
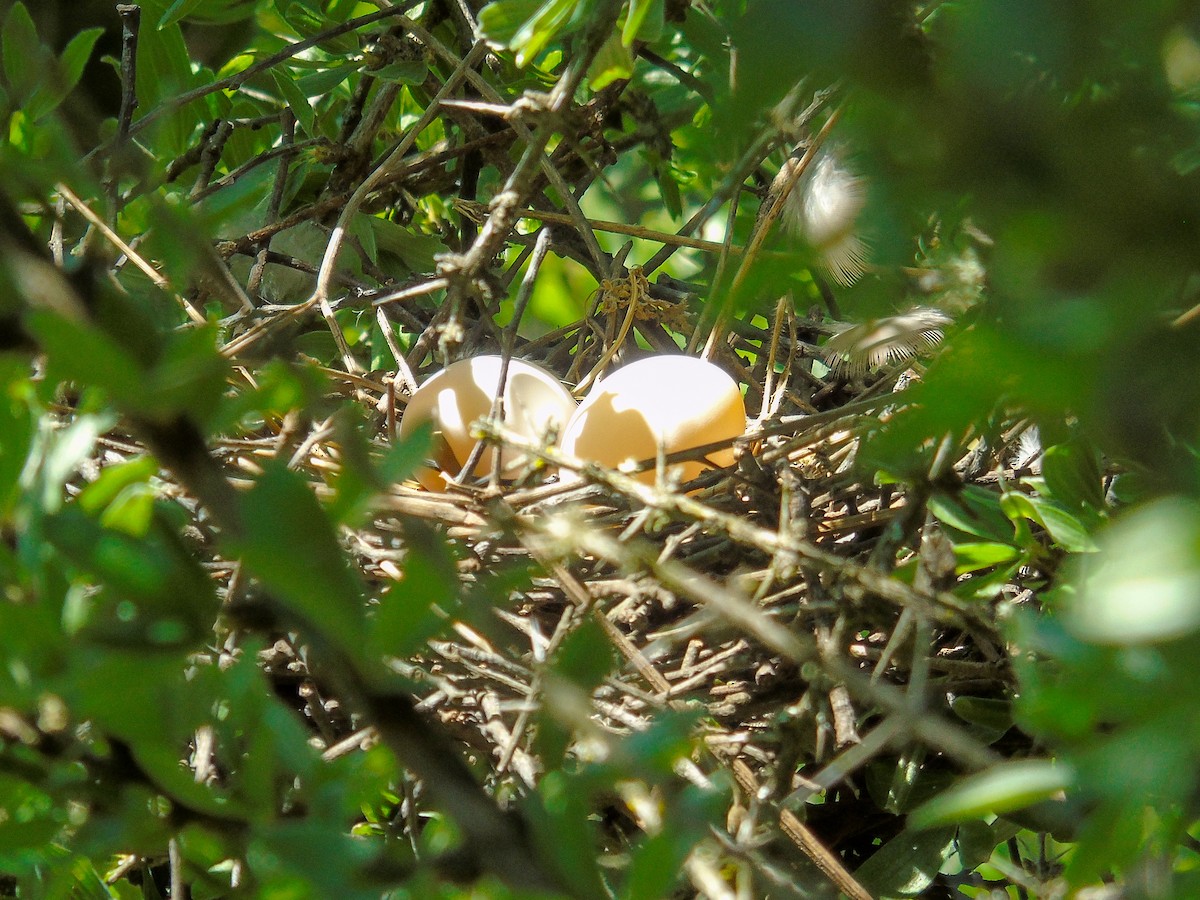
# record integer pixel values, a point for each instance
(798, 614)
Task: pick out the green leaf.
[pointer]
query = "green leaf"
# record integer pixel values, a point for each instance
(907, 864)
(975, 511)
(405, 71)
(613, 63)
(190, 377)
(526, 26)
(163, 65)
(644, 20)
(309, 22)
(58, 455)
(405, 457)
(66, 74)
(558, 810)
(1073, 477)
(986, 711)
(295, 100)
(655, 867)
(1065, 529)
(1003, 788)
(1110, 838)
(501, 20)
(17, 424)
(151, 591)
(585, 657)
(21, 51)
(415, 250)
(291, 546)
(982, 555)
(177, 11)
(1144, 584)
(542, 28)
(84, 354)
(977, 841)
(419, 606)
(322, 82)
(75, 56)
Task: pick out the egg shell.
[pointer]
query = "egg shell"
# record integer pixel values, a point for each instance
(454, 398)
(678, 401)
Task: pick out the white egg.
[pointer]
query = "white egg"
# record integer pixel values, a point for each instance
(535, 402)
(679, 402)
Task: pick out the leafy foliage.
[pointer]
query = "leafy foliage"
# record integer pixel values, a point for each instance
(934, 632)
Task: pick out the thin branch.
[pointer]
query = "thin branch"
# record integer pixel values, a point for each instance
(148, 270)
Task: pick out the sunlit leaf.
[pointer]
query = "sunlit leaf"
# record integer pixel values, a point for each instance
(1003, 788)
(971, 557)
(1144, 584)
(613, 63)
(644, 21)
(907, 864)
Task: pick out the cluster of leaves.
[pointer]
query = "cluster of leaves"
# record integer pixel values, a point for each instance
(1059, 144)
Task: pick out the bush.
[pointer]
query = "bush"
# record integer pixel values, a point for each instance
(930, 634)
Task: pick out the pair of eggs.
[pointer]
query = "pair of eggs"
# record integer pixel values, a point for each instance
(676, 402)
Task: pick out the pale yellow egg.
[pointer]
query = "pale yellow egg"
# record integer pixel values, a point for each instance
(679, 402)
(535, 402)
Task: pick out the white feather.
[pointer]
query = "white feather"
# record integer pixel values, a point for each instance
(823, 210)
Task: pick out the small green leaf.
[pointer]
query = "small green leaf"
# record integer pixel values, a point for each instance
(406, 71)
(974, 511)
(655, 866)
(163, 65)
(557, 811)
(542, 28)
(151, 591)
(406, 456)
(1064, 528)
(985, 711)
(585, 657)
(75, 56)
(415, 250)
(668, 187)
(982, 555)
(1003, 788)
(323, 81)
(189, 377)
(295, 100)
(309, 22)
(977, 840)
(58, 454)
(1109, 839)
